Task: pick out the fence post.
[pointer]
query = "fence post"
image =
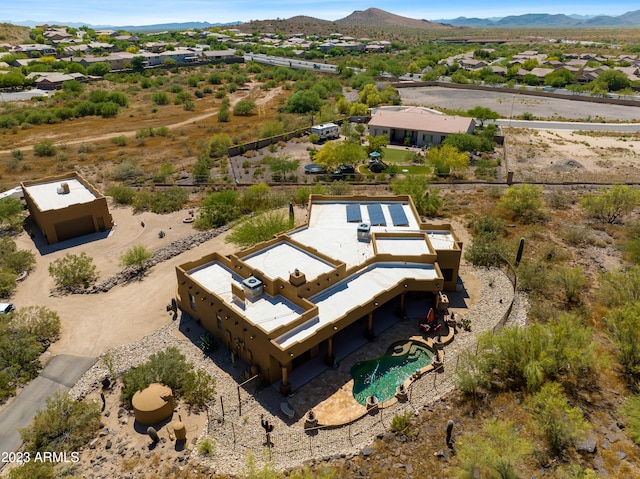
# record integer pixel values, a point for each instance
(239, 403)
(233, 433)
(222, 407)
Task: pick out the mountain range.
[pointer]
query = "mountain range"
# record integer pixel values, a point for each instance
(545, 20)
(375, 17)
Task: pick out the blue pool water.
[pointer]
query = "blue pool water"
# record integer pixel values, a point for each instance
(379, 377)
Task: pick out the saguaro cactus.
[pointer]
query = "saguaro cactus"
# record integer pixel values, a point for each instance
(268, 429)
(520, 251)
(449, 439)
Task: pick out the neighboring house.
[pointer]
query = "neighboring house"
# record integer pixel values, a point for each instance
(416, 126)
(118, 60)
(298, 296)
(57, 35)
(66, 206)
(471, 64)
(53, 80)
(216, 56)
(35, 50)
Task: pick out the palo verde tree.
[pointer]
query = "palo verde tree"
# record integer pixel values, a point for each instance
(523, 202)
(336, 153)
(447, 159)
(482, 114)
(426, 199)
(282, 165)
(609, 205)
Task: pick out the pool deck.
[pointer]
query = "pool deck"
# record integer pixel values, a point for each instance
(340, 407)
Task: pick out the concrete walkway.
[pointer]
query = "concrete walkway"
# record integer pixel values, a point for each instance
(60, 374)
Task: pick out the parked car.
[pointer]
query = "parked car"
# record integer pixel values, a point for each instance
(6, 308)
(343, 172)
(315, 169)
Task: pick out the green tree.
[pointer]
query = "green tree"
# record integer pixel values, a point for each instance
(65, 425)
(559, 78)
(99, 69)
(137, 256)
(493, 452)
(447, 159)
(10, 210)
(138, 62)
(282, 165)
(72, 271)
(615, 80)
(121, 194)
(483, 113)
(160, 98)
(426, 200)
(558, 420)
(219, 145)
(524, 202)
(376, 143)
(336, 153)
(304, 102)
(244, 108)
(217, 209)
(619, 286)
(358, 109)
(258, 228)
(610, 204)
(571, 281)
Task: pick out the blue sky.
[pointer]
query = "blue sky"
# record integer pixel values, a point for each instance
(146, 12)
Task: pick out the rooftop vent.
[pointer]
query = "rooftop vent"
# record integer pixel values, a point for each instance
(297, 278)
(63, 189)
(252, 288)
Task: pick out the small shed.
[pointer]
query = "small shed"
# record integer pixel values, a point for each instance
(153, 404)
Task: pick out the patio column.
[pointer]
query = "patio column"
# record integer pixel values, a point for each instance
(329, 358)
(285, 387)
(369, 332)
(401, 309)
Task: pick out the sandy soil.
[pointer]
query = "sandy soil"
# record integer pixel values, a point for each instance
(92, 324)
(562, 155)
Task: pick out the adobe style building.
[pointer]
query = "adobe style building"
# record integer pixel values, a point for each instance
(416, 125)
(66, 206)
(287, 300)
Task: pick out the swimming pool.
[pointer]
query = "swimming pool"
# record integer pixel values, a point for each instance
(380, 376)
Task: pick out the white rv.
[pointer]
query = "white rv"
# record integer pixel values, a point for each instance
(326, 131)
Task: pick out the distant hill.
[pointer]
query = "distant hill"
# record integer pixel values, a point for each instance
(375, 16)
(360, 23)
(545, 20)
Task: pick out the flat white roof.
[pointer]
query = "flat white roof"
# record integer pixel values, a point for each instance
(330, 233)
(281, 259)
(268, 312)
(46, 196)
(355, 291)
(441, 239)
(402, 246)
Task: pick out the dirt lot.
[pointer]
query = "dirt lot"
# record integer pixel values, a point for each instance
(509, 105)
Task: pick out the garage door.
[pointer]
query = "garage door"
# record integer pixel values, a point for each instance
(76, 227)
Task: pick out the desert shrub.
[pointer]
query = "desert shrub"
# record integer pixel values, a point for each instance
(65, 425)
(571, 281)
(39, 321)
(244, 108)
(206, 446)
(109, 109)
(167, 201)
(258, 228)
(219, 145)
(528, 357)
(624, 327)
(610, 204)
(13, 259)
(401, 423)
(524, 202)
(619, 286)
(45, 147)
(560, 422)
(160, 98)
(121, 194)
(631, 414)
(493, 451)
(128, 169)
(72, 271)
(168, 367)
(137, 256)
(120, 140)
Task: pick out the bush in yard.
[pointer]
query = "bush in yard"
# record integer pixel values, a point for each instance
(122, 195)
(72, 271)
(65, 425)
(39, 321)
(136, 256)
(244, 108)
(631, 413)
(169, 367)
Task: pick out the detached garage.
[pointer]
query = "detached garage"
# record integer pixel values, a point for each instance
(67, 206)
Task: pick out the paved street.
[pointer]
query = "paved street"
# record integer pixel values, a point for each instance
(60, 374)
